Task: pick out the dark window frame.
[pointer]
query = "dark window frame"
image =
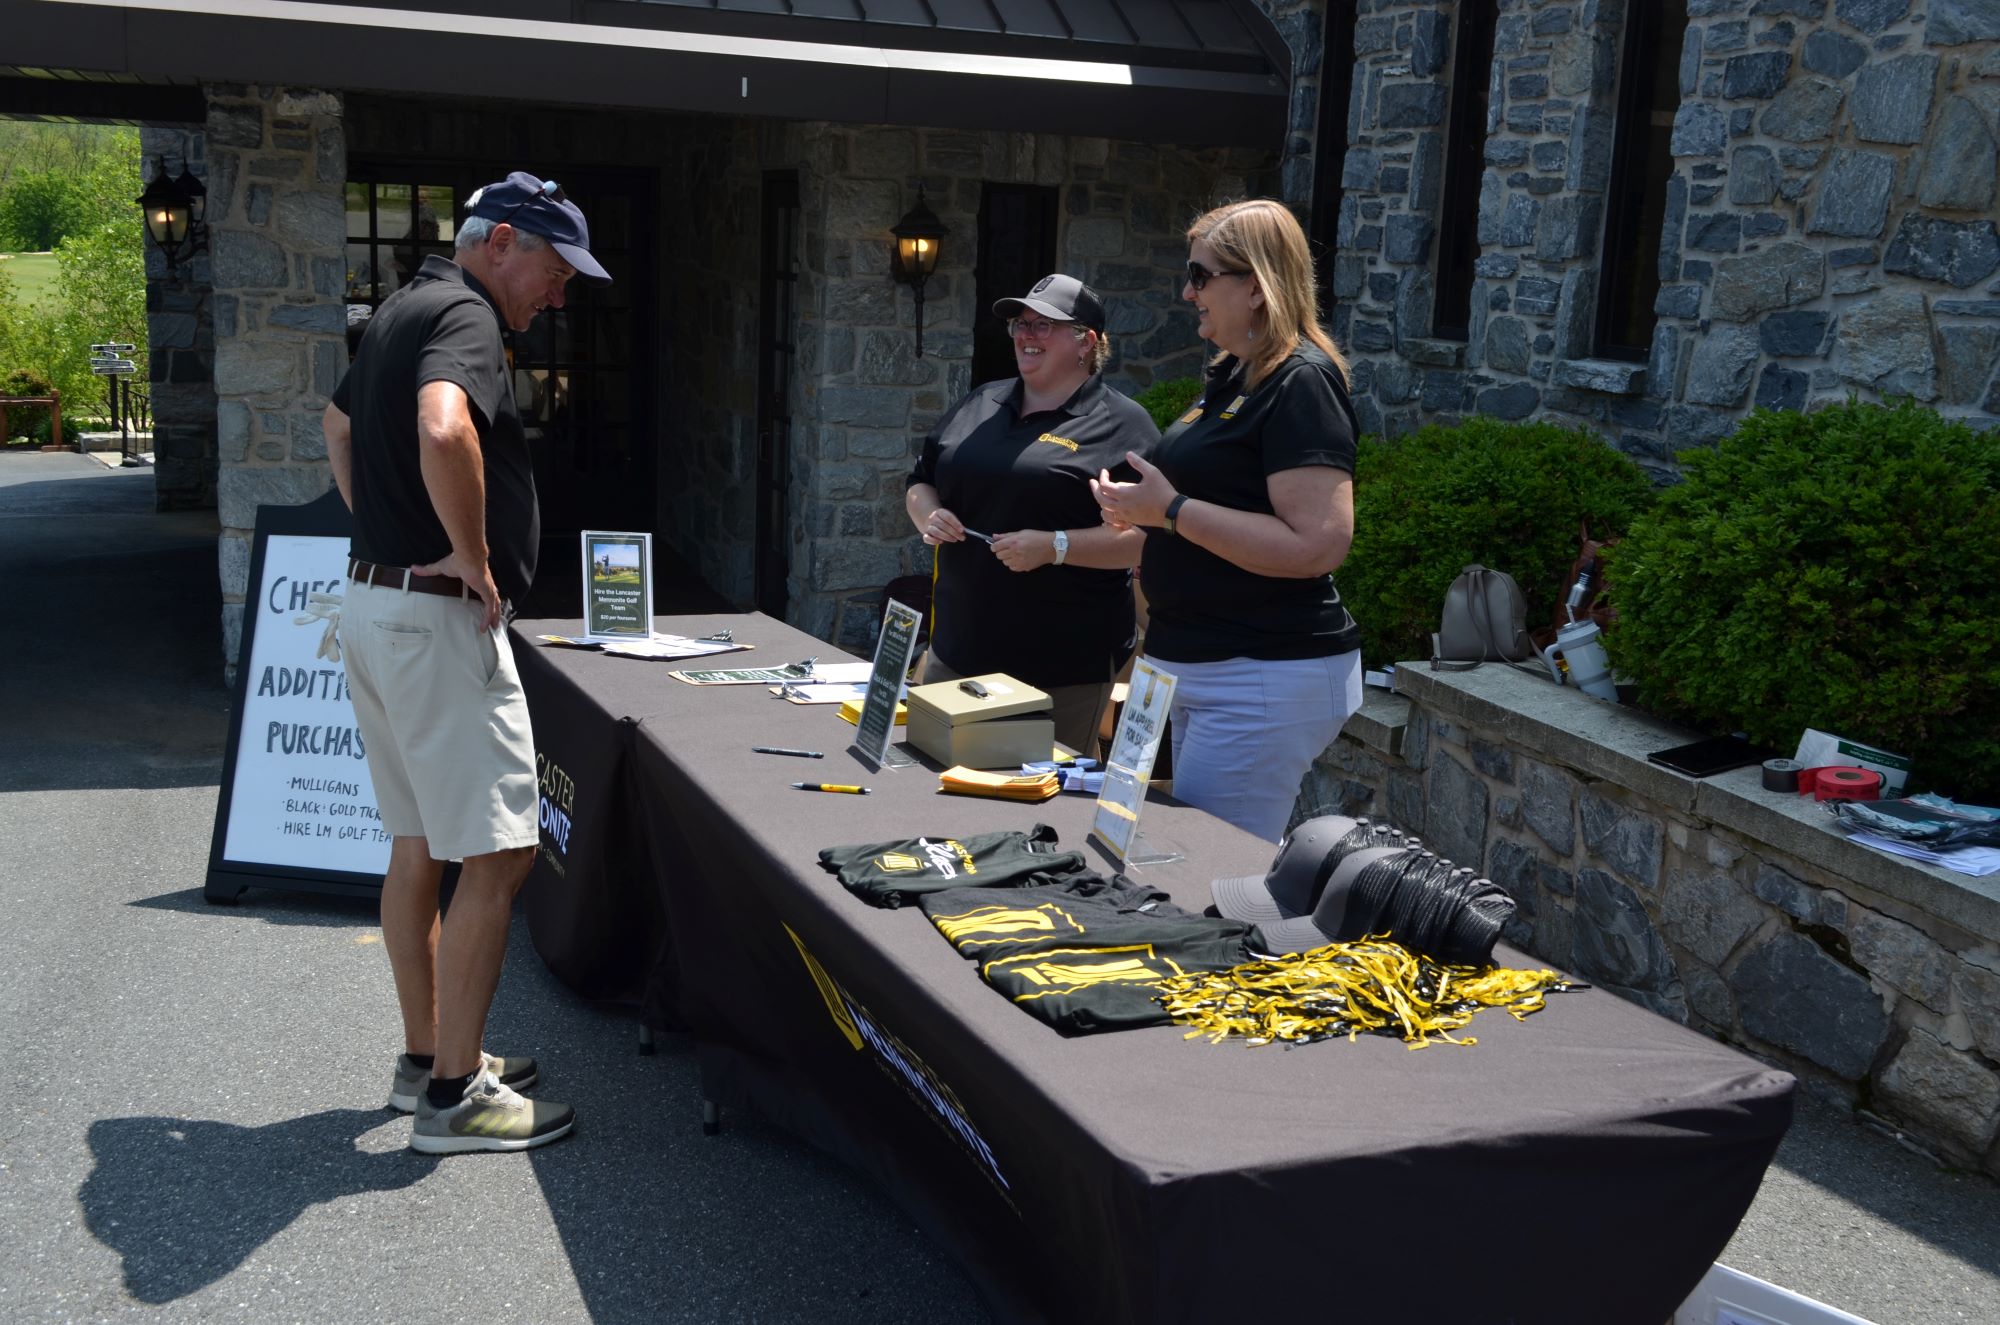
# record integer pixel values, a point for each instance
(1034, 233)
(1464, 169)
(1336, 89)
(1629, 276)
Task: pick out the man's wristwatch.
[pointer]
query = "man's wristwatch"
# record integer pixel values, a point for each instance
(1174, 509)
(1062, 545)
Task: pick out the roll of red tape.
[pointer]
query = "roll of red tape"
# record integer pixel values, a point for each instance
(1840, 782)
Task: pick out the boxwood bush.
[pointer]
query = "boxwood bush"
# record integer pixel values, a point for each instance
(1169, 399)
(27, 425)
(1838, 570)
(1507, 495)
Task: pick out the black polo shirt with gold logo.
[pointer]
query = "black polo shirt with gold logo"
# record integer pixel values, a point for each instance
(1224, 450)
(1000, 470)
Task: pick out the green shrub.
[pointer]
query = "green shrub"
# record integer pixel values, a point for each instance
(1168, 400)
(1506, 495)
(27, 425)
(1838, 570)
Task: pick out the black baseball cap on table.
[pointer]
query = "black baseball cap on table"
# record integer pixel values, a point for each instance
(537, 206)
(1063, 298)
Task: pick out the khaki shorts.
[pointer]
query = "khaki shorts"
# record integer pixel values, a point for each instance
(444, 716)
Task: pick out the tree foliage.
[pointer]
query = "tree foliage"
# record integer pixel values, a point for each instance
(100, 257)
(1506, 495)
(1837, 570)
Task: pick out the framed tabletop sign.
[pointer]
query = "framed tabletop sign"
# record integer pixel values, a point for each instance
(1129, 768)
(887, 681)
(297, 809)
(617, 586)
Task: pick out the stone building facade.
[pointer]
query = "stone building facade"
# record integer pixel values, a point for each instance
(1828, 226)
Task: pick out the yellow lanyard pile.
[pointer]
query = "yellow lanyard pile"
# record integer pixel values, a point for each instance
(1369, 985)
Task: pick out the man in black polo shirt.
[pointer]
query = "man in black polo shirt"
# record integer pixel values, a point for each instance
(429, 453)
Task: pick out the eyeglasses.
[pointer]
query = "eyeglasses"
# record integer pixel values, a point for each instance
(1199, 276)
(549, 190)
(1036, 328)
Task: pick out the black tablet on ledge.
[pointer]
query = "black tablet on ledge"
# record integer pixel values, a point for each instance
(1717, 754)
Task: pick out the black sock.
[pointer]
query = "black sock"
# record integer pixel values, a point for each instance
(444, 1092)
(421, 1060)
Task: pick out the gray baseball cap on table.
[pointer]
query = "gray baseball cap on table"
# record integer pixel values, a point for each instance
(1292, 885)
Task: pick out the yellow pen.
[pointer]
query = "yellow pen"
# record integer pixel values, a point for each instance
(831, 786)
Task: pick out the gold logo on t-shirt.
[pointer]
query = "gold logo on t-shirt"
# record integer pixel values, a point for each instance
(896, 860)
(1059, 441)
(1191, 415)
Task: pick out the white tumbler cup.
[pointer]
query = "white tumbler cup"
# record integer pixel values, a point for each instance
(1589, 669)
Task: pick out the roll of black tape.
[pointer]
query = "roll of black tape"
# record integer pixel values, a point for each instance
(1782, 774)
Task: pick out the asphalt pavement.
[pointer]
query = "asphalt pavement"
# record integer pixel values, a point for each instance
(195, 1130)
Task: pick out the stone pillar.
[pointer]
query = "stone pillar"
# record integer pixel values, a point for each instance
(180, 334)
(277, 171)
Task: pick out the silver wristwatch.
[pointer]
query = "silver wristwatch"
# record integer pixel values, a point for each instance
(1062, 545)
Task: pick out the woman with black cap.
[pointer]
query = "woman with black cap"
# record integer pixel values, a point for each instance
(1028, 580)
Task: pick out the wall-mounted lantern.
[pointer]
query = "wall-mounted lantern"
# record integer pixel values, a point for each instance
(176, 211)
(916, 253)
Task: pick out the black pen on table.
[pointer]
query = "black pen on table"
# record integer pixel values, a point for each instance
(781, 750)
(831, 786)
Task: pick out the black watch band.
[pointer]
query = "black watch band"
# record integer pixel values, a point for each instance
(1174, 510)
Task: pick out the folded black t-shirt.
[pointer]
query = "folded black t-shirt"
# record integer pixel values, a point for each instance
(891, 873)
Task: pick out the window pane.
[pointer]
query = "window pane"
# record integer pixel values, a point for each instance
(437, 221)
(392, 211)
(360, 275)
(357, 211)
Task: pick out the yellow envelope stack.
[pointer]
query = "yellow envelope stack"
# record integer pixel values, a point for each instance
(962, 781)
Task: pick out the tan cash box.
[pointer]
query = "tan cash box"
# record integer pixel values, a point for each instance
(1010, 724)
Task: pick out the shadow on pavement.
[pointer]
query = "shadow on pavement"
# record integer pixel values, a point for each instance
(1955, 1211)
(114, 611)
(273, 907)
(185, 1202)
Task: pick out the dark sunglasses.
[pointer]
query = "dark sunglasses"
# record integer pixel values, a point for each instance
(551, 191)
(1199, 276)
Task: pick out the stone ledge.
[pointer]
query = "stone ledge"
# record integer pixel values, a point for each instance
(1379, 722)
(1610, 742)
(1611, 377)
(1607, 741)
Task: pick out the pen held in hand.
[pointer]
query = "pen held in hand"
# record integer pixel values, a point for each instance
(781, 750)
(831, 786)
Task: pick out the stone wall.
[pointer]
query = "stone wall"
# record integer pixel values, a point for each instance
(180, 338)
(1829, 224)
(1737, 911)
(277, 165)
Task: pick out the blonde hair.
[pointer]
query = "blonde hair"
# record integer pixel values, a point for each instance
(1260, 235)
(1100, 353)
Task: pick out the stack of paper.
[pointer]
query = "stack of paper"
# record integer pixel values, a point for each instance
(1976, 861)
(962, 781)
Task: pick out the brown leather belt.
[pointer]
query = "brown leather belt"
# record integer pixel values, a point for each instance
(401, 577)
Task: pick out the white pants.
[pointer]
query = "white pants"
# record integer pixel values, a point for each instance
(1246, 730)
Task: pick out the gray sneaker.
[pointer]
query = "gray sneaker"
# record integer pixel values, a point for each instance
(410, 1079)
(489, 1117)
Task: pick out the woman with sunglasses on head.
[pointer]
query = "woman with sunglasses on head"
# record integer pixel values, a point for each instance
(1028, 580)
(1248, 507)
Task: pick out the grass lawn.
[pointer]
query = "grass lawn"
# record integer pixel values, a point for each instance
(33, 276)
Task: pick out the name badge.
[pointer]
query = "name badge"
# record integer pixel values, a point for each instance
(1234, 405)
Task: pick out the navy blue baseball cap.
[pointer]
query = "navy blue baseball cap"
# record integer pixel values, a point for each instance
(535, 205)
